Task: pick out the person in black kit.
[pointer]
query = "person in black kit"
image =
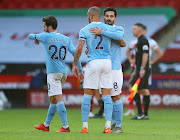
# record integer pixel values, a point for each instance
(142, 70)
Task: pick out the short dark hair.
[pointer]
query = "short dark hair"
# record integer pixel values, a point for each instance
(141, 25)
(50, 21)
(110, 9)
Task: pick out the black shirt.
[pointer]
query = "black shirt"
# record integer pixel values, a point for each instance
(142, 46)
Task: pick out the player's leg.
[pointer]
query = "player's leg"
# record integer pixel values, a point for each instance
(56, 81)
(91, 82)
(101, 104)
(106, 85)
(52, 108)
(117, 78)
(108, 108)
(146, 94)
(137, 99)
(85, 107)
(91, 114)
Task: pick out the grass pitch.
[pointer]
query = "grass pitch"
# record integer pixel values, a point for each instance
(19, 125)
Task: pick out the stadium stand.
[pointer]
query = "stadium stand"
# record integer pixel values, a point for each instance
(42, 4)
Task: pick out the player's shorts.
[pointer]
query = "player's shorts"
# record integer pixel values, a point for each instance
(144, 81)
(117, 78)
(55, 82)
(98, 73)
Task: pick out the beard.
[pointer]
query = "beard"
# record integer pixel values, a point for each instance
(109, 22)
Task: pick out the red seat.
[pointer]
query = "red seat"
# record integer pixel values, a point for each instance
(80, 5)
(93, 3)
(105, 4)
(175, 4)
(147, 3)
(39, 5)
(133, 4)
(26, 5)
(66, 5)
(161, 3)
(3, 6)
(13, 6)
(119, 4)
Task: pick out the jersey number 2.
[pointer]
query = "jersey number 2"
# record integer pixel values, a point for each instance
(53, 56)
(99, 43)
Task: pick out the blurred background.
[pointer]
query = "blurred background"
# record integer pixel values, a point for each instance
(22, 63)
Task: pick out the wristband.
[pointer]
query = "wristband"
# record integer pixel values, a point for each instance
(141, 67)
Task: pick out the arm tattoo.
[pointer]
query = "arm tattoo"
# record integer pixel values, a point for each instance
(78, 51)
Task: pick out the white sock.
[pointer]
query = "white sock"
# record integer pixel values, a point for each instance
(65, 126)
(85, 124)
(46, 125)
(108, 124)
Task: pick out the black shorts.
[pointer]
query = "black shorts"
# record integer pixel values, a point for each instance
(144, 81)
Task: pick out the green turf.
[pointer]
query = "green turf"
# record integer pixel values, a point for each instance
(19, 125)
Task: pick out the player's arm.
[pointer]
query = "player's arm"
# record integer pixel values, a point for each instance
(77, 55)
(145, 57)
(37, 37)
(116, 35)
(159, 54)
(121, 42)
(72, 51)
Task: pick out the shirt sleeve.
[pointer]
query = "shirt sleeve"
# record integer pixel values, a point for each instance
(116, 34)
(145, 46)
(82, 35)
(72, 50)
(132, 45)
(153, 44)
(40, 37)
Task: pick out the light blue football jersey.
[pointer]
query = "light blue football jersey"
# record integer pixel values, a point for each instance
(99, 45)
(56, 46)
(116, 52)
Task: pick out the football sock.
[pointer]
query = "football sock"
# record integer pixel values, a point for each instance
(65, 126)
(108, 124)
(138, 103)
(146, 104)
(51, 112)
(62, 112)
(85, 124)
(101, 105)
(85, 108)
(113, 115)
(108, 107)
(118, 112)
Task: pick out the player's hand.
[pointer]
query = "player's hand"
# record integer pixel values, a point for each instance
(75, 71)
(86, 50)
(81, 77)
(142, 73)
(36, 42)
(95, 31)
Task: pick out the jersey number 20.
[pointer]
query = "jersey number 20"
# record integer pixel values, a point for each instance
(53, 56)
